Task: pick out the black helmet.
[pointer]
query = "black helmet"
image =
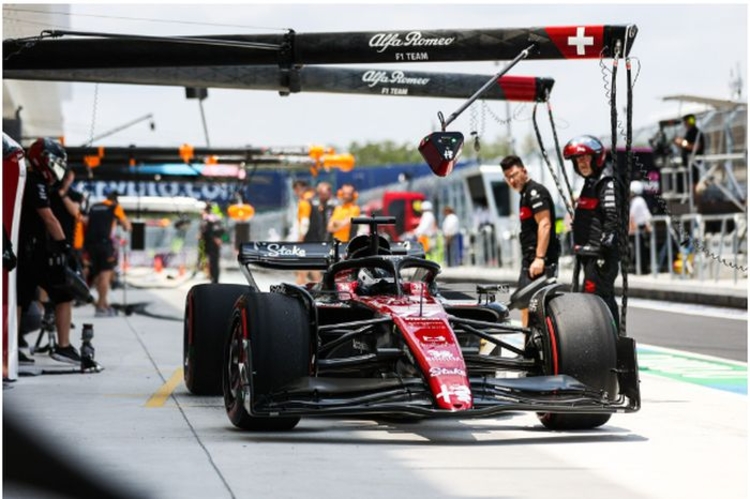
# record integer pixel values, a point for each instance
(49, 159)
(375, 281)
(585, 144)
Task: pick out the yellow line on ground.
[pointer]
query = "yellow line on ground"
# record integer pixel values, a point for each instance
(162, 394)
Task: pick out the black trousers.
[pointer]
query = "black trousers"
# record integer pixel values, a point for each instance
(34, 270)
(213, 264)
(599, 276)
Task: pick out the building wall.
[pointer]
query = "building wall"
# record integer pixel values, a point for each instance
(36, 103)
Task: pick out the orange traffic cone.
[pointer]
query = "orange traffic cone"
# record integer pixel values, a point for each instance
(158, 264)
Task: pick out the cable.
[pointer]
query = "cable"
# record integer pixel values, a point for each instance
(93, 116)
(27, 42)
(144, 19)
(559, 151)
(33, 23)
(568, 205)
(182, 40)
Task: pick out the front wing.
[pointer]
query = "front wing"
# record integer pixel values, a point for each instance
(322, 396)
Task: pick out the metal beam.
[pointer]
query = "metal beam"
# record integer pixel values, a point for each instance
(368, 81)
(296, 49)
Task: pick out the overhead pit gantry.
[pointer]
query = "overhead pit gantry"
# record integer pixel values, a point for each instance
(86, 50)
(209, 163)
(286, 62)
(92, 56)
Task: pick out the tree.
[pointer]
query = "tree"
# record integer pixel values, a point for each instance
(383, 153)
(389, 152)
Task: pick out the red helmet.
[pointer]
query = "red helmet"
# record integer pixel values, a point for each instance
(585, 144)
(49, 159)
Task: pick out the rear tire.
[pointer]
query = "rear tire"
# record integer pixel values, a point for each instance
(581, 343)
(208, 311)
(278, 329)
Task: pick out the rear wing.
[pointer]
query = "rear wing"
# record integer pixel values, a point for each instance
(284, 255)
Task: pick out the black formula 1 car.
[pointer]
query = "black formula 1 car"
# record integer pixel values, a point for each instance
(377, 337)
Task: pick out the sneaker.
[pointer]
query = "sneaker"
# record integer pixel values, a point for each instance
(24, 355)
(67, 354)
(105, 312)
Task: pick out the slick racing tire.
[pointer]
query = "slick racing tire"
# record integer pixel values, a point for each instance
(277, 328)
(581, 342)
(208, 312)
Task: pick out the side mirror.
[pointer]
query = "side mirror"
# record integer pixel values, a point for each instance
(441, 150)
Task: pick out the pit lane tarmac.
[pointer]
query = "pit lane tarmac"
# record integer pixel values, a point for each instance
(139, 433)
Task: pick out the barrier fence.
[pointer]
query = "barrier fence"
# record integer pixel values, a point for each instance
(691, 246)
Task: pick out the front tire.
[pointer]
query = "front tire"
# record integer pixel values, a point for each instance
(208, 311)
(581, 342)
(275, 330)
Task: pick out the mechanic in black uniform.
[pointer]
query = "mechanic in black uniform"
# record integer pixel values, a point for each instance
(212, 231)
(66, 205)
(692, 143)
(322, 206)
(43, 249)
(100, 247)
(540, 247)
(595, 220)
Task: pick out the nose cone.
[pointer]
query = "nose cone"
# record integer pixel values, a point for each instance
(454, 396)
(460, 405)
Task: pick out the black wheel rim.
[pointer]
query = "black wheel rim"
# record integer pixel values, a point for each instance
(235, 357)
(186, 335)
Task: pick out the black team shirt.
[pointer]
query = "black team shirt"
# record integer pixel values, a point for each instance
(534, 199)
